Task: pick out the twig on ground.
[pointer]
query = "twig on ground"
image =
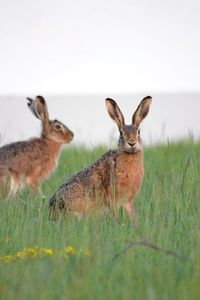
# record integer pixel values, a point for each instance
(151, 245)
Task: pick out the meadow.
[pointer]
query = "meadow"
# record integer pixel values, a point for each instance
(107, 257)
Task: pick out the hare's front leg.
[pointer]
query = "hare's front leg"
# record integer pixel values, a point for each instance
(32, 183)
(15, 182)
(5, 185)
(130, 210)
(33, 179)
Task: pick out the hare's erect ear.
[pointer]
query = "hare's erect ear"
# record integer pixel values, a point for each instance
(39, 108)
(115, 113)
(31, 106)
(142, 111)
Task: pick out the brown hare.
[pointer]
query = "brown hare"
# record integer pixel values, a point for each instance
(35, 159)
(115, 178)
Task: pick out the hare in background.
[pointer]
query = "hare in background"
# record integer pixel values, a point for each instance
(33, 160)
(114, 179)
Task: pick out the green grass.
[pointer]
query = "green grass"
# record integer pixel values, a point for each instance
(168, 208)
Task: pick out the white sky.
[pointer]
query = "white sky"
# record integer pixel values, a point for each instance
(62, 46)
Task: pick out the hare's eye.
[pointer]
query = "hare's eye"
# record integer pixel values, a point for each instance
(139, 132)
(121, 134)
(57, 126)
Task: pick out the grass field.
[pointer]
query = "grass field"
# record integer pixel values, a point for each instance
(77, 259)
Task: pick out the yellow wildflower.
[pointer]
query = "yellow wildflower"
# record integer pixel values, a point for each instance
(70, 250)
(31, 252)
(7, 258)
(47, 251)
(35, 252)
(20, 255)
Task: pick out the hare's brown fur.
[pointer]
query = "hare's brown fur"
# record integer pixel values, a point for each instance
(105, 183)
(115, 178)
(33, 160)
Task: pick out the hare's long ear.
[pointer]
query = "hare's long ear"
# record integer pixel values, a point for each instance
(142, 111)
(115, 113)
(31, 106)
(39, 108)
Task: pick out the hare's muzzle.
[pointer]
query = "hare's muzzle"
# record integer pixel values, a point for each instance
(69, 135)
(132, 146)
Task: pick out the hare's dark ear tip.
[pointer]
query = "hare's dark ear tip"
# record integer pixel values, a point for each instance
(148, 98)
(107, 100)
(29, 101)
(42, 100)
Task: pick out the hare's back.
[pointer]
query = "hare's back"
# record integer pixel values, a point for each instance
(16, 151)
(85, 181)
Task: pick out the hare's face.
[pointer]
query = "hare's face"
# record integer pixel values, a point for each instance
(59, 133)
(53, 130)
(129, 140)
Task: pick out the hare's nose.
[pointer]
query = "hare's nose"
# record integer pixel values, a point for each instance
(132, 144)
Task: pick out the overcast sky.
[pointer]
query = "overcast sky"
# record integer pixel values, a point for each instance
(62, 46)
